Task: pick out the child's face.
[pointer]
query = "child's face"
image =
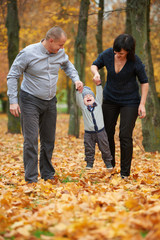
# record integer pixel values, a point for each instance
(88, 99)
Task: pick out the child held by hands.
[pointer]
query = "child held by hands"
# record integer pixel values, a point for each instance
(91, 108)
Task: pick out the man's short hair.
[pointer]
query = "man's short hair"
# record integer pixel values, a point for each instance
(55, 33)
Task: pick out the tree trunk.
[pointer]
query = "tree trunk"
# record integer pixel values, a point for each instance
(3, 100)
(68, 95)
(128, 17)
(99, 37)
(138, 13)
(12, 25)
(79, 62)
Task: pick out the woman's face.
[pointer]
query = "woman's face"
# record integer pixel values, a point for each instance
(122, 55)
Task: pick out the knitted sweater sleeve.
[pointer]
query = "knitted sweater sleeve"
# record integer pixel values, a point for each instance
(104, 58)
(99, 62)
(99, 94)
(140, 71)
(79, 99)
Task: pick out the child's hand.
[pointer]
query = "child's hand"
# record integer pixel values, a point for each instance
(98, 83)
(97, 79)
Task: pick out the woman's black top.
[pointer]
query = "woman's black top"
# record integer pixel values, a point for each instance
(122, 87)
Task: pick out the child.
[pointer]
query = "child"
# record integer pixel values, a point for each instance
(94, 126)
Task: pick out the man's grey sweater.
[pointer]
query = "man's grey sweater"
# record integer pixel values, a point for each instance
(89, 125)
(40, 72)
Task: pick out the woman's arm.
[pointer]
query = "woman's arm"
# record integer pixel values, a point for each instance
(144, 92)
(96, 75)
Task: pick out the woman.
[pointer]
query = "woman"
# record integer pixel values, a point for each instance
(121, 94)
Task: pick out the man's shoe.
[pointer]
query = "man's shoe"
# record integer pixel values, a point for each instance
(109, 166)
(89, 166)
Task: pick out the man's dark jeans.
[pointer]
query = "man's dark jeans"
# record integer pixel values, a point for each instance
(38, 116)
(128, 116)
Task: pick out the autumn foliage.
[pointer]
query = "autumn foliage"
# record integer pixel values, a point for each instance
(80, 204)
(37, 17)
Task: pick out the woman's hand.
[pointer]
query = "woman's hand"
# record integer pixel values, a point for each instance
(144, 92)
(97, 79)
(141, 111)
(96, 75)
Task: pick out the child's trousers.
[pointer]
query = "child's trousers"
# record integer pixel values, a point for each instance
(90, 140)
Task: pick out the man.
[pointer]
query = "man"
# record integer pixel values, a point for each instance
(39, 63)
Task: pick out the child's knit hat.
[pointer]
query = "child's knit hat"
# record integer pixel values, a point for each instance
(87, 90)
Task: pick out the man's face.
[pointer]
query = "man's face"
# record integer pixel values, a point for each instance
(56, 44)
(88, 99)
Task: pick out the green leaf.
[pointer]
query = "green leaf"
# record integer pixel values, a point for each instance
(38, 233)
(144, 233)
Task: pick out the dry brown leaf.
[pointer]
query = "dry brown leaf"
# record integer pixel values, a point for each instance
(80, 205)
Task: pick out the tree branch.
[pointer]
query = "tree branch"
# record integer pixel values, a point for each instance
(93, 13)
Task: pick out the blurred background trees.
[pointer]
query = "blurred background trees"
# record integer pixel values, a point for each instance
(36, 17)
(79, 63)
(137, 24)
(12, 24)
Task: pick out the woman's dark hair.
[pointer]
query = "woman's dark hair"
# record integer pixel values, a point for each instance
(126, 42)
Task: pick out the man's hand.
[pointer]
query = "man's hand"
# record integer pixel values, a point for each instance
(15, 109)
(79, 86)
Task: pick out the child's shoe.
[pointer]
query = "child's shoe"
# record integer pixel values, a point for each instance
(124, 177)
(109, 166)
(89, 166)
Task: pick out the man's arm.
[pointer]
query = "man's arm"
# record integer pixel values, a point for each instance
(14, 74)
(72, 73)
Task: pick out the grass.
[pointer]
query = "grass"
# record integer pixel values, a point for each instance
(62, 108)
(68, 179)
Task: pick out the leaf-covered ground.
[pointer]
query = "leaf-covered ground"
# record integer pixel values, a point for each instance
(81, 205)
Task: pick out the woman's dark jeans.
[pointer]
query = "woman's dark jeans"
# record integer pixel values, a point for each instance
(38, 116)
(128, 116)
